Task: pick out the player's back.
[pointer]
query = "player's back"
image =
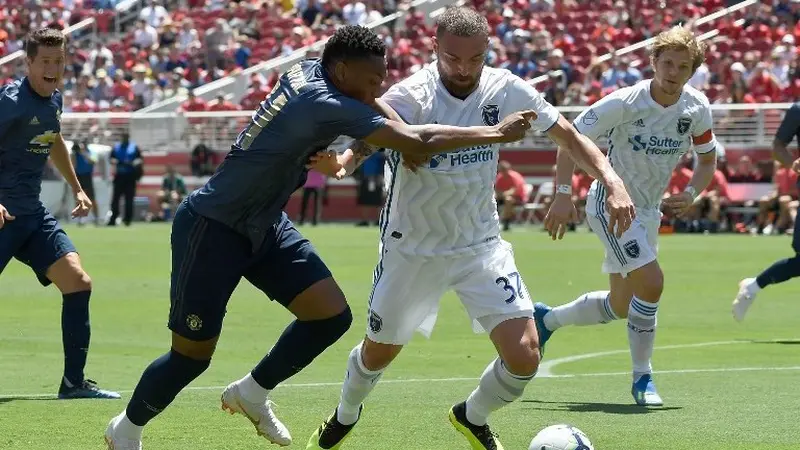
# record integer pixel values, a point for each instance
(29, 125)
(448, 206)
(645, 139)
(302, 115)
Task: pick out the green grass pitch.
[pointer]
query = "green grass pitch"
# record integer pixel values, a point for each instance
(726, 385)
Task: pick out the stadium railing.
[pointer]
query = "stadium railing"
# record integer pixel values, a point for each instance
(238, 84)
(737, 126)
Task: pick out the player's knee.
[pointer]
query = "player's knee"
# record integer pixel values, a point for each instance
(376, 356)
(68, 275)
(341, 322)
(196, 350)
(523, 359)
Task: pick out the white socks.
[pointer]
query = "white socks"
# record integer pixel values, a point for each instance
(642, 335)
(588, 309)
(252, 391)
(358, 383)
(126, 429)
(753, 287)
(497, 388)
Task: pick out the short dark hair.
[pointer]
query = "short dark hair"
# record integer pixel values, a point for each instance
(44, 37)
(352, 42)
(462, 21)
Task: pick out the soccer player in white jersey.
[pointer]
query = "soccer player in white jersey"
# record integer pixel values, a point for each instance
(650, 125)
(440, 231)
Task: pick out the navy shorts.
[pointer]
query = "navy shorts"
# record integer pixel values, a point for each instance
(36, 240)
(796, 236)
(209, 259)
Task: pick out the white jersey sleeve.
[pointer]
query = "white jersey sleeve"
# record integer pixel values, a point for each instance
(406, 101)
(601, 117)
(522, 96)
(703, 139)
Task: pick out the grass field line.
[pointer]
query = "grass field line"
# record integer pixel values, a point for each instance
(545, 371)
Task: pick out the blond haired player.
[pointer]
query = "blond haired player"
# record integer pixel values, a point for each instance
(649, 126)
(440, 231)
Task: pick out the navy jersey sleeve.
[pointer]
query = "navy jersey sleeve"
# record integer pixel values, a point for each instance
(344, 116)
(8, 110)
(790, 126)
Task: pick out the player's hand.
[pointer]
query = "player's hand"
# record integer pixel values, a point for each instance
(620, 208)
(796, 166)
(82, 205)
(413, 162)
(562, 212)
(678, 204)
(4, 216)
(327, 163)
(515, 125)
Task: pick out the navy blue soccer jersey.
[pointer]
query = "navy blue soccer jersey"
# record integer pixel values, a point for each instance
(29, 125)
(790, 127)
(302, 115)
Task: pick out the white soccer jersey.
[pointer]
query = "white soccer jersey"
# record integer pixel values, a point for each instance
(448, 207)
(645, 139)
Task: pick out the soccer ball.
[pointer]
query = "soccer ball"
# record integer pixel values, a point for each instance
(561, 437)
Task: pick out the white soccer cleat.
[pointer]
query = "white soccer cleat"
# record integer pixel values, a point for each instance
(260, 415)
(744, 299)
(116, 442)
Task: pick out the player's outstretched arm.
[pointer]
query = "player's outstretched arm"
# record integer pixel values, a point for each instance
(562, 211)
(586, 154)
(63, 162)
(431, 139)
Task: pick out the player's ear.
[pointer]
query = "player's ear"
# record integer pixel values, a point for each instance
(340, 71)
(435, 45)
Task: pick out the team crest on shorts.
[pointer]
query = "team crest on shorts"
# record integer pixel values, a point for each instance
(491, 115)
(194, 322)
(684, 123)
(632, 249)
(375, 322)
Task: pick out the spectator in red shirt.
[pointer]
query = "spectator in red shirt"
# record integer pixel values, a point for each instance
(709, 203)
(779, 201)
(746, 172)
(509, 189)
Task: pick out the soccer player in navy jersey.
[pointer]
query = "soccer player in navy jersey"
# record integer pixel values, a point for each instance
(235, 227)
(30, 132)
(788, 268)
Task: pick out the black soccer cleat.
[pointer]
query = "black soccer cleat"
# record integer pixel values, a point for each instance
(479, 437)
(331, 434)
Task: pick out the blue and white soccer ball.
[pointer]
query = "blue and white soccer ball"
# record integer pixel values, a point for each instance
(561, 437)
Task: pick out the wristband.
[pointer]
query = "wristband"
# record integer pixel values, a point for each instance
(564, 189)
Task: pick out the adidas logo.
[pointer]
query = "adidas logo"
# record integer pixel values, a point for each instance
(639, 123)
(34, 121)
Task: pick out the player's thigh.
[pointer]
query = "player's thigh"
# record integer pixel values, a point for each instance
(208, 260)
(405, 297)
(290, 271)
(636, 247)
(491, 287)
(13, 236)
(48, 243)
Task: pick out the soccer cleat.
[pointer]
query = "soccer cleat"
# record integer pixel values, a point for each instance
(86, 389)
(479, 438)
(539, 311)
(260, 415)
(331, 434)
(743, 299)
(115, 442)
(644, 392)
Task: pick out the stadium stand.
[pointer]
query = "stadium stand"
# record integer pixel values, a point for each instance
(575, 52)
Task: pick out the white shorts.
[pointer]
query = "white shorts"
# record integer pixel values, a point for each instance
(407, 290)
(637, 246)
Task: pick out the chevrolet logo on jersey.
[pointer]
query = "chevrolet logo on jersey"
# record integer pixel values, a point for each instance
(655, 145)
(43, 142)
